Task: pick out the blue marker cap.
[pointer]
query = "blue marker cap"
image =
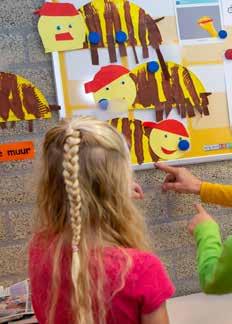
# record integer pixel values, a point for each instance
(94, 38)
(121, 37)
(222, 34)
(153, 66)
(103, 104)
(183, 145)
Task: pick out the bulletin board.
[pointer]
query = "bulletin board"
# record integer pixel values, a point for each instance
(160, 71)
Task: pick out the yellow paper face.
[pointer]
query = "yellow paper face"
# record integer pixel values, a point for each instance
(62, 33)
(21, 100)
(121, 90)
(165, 144)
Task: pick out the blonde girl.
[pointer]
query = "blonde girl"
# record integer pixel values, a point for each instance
(89, 257)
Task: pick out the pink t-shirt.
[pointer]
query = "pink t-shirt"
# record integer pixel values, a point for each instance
(146, 287)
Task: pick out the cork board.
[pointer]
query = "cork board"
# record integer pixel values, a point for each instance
(170, 95)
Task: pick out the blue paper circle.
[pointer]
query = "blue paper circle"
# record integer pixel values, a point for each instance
(183, 145)
(94, 38)
(103, 104)
(153, 67)
(223, 34)
(121, 37)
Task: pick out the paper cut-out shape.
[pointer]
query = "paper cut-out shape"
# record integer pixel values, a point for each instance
(21, 100)
(113, 23)
(207, 24)
(228, 54)
(112, 82)
(223, 34)
(137, 139)
(141, 89)
(61, 27)
(169, 139)
(17, 151)
(146, 142)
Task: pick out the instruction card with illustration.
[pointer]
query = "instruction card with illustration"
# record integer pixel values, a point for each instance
(160, 71)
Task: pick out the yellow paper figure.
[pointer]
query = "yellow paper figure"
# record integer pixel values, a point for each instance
(151, 142)
(21, 100)
(207, 24)
(169, 139)
(146, 87)
(108, 24)
(61, 27)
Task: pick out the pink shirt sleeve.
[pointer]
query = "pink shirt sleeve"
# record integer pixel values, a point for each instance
(154, 286)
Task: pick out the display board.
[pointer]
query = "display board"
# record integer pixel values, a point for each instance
(160, 71)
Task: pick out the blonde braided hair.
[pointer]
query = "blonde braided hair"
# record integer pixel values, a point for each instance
(85, 190)
(70, 173)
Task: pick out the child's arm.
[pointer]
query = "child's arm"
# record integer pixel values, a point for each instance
(160, 316)
(182, 181)
(213, 258)
(216, 194)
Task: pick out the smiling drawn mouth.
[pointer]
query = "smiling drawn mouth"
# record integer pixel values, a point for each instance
(165, 151)
(64, 37)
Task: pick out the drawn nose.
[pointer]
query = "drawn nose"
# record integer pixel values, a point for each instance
(103, 104)
(183, 145)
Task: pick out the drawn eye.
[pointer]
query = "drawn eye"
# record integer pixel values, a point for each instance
(165, 135)
(180, 138)
(69, 26)
(123, 82)
(107, 89)
(58, 27)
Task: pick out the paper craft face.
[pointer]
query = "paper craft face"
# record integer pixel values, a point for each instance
(165, 139)
(122, 89)
(61, 27)
(113, 84)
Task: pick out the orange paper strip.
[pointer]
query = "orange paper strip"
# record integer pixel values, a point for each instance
(17, 151)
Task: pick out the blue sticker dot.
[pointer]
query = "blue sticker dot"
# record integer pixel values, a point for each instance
(183, 145)
(103, 104)
(94, 38)
(223, 34)
(121, 37)
(153, 67)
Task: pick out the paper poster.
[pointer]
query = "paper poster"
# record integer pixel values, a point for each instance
(171, 105)
(227, 12)
(17, 151)
(199, 20)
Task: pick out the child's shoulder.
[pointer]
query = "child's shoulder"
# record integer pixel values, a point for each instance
(141, 261)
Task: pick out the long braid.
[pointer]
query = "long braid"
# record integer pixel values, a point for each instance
(70, 173)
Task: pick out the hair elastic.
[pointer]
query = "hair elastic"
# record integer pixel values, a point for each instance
(75, 248)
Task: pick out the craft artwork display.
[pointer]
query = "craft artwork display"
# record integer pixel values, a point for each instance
(144, 88)
(159, 71)
(21, 100)
(99, 24)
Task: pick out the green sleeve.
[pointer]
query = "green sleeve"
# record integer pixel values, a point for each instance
(214, 259)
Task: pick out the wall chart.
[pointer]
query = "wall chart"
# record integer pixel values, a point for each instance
(160, 71)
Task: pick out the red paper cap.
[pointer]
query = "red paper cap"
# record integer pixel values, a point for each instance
(52, 9)
(106, 75)
(170, 125)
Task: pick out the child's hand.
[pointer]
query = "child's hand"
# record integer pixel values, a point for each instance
(137, 191)
(201, 217)
(179, 180)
